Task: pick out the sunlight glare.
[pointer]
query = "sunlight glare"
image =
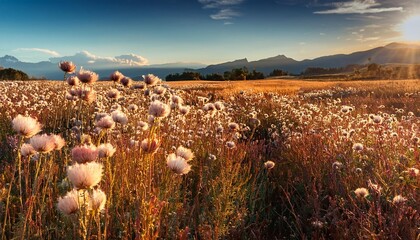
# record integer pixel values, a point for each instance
(410, 29)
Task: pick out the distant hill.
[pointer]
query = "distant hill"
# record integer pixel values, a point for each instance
(12, 74)
(394, 53)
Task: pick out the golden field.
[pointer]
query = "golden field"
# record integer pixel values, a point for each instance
(268, 159)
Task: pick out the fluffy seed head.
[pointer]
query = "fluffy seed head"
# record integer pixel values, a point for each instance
(361, 192)
(26, 126)
(85, 176)
(106, 150)
(69, 204)
(159, 109)
(59, 142)
(126, 81)
(113, 94)
(67, 66)
(73, 81)
(358, 147)
(185, 153)
(150, 147)
(398, 199)
(27, 150)
(119, 117)
(177, 164)
(151, 80)
(97, 200)
(105, 122)
(43, 143)
(269, 165)
(116, 76)
(87, 76)
(84, 154)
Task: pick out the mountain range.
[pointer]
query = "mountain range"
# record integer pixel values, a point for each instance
(394, 53)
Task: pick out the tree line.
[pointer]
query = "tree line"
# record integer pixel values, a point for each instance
(234, 74)
(12, 74)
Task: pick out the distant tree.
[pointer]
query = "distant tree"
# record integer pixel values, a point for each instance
(184, 76)
(278, 72)
(214, 77)
(255, 75)
(12, 74)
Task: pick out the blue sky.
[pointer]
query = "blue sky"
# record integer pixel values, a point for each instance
(206, 31)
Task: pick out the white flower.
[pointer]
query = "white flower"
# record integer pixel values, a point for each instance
(85, 176)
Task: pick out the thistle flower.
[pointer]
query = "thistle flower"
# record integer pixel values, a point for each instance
(113, 94)
(361, 192)
(67, 67)
(126, 81)
(119, 117)
(233, 127)
(398, 199)
(151, 80)
(88, 95)
(97, 200)
(58, 141)
(269, 165)
(73, 81)
(69, 204)
(106, 150)
(185, 153)
(358, 147)
(143, 125)
(230, 144)
(159, 90)
(84, 154)
(42, 143)
(105, 123)
(159, 109)
(26, 126)
(184, 110)
(413, 172)
(177, 100)
(116, 76)
(177, 164)
(219, 105)
(87, 76)
(27, 150)
(150, 147)
(85, 176)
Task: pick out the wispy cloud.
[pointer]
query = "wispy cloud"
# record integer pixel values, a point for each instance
(358, 7)
(219, 3)
(42, 50)
(225, 9)
(85, 58)
(225, 14)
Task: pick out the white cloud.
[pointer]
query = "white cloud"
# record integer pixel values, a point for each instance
(42, 50)
(359, 7)
(225, 14)
(219, 3)
(85, 58)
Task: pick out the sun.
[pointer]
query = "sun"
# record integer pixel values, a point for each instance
(410, 29)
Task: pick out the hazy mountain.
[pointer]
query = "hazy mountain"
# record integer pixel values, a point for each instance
(394, 53)
(398, 53)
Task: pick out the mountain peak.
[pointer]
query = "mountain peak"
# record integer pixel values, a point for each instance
(9, 58)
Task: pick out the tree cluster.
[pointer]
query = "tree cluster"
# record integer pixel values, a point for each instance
(234, 74)
(12, 74)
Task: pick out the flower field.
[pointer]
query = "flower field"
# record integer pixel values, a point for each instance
(125, 159)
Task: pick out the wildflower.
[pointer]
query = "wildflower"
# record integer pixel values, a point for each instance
(233, 127)
(73, 80)
(87, 76)
(26, 126)
(230, 144)
(212, 157)
(85, 176)
(143, 125)
(133, 107)
(84, 154)
(413, 172)
(185, 153)
(150, 147)
(116, 76)
(358, 147)
(88, 95)
(105, 122)
(159, 109)
(269, 165)
(377, 119)
(337, 165)
(113, 94)
(58, 141)
(98, 200)
(43, 143)
(398, 199)
(177, 100)
(27, 150)
(151, 79)
(361, 192)
(159, 90)
(184, 110)
(126, 81)
(106, 150)
(67, 67)
(219, 106)
(177, 164)
(119, 117)
(69, 204)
